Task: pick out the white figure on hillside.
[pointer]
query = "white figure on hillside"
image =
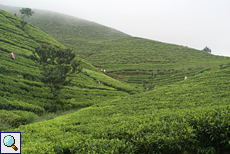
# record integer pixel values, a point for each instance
(185, 78)
(104, 70)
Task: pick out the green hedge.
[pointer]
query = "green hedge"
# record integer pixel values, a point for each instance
(16, 118)
(18, 105)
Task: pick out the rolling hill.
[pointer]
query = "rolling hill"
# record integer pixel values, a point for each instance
(190, 116)
(59, 26)
(120, 54)
(125, 58)
(22, 92)
(177, 116)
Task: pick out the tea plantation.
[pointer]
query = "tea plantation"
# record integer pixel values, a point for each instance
(122, 56)
(177, 116)
(126, 58)
(21, 88)
(190, 116)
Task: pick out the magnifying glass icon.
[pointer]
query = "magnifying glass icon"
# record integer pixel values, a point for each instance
(9, 141)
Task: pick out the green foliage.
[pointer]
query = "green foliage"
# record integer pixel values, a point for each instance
(150, 81)
(108, 82)
(27, 12)
(128, 56)
(56, 65)
(207, 50)
(11, 118)
(16, 118)
(19, 78)
(189, 116)
(212, 134)
(5, 126)
(124, 57)
(177, 116)
(55, 24)
(17, 105)
(20, 84)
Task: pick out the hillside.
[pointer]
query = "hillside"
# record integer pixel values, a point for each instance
(190, 116)
(66, 28)
(125, 58)
(177, 116)
(132, 59)
(131, 54)
(23, 96)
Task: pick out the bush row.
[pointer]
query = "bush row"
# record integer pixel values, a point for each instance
(15, 118)
(18, 105)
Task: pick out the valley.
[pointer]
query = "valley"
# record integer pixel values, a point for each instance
(117, 114)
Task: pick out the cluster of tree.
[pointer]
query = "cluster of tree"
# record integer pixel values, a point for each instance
(56, 67)
(207, 49)
(56, 64)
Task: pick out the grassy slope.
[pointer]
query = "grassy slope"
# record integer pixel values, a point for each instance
(132, 59)
(177, 116)
(131, 54)
(61, 25)
(21, 88)
(191, 115)
(121, 55)
(125, 58)
(67, 28)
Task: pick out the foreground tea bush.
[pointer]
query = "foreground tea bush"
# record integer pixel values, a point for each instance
(190, 116)
(15, 118)
(108, 132)
(17, 105)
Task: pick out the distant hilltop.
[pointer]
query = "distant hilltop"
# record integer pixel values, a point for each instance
(56, 24)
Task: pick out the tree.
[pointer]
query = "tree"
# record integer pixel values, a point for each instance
(56, 67)
(27, 12)
(207, 50)
(148, 85)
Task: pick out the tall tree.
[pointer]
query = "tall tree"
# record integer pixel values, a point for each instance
(27, 12)
(57, 65)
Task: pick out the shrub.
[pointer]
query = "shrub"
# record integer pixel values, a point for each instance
(18, 105)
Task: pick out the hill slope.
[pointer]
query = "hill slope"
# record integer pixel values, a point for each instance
(137, 53)
(177, 116)
(63, 27)
(125, 58)
(132, 59)
(20, 85)
(190, 116)
(121, 55)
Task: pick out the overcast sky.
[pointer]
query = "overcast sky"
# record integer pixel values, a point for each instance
(192, 23)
